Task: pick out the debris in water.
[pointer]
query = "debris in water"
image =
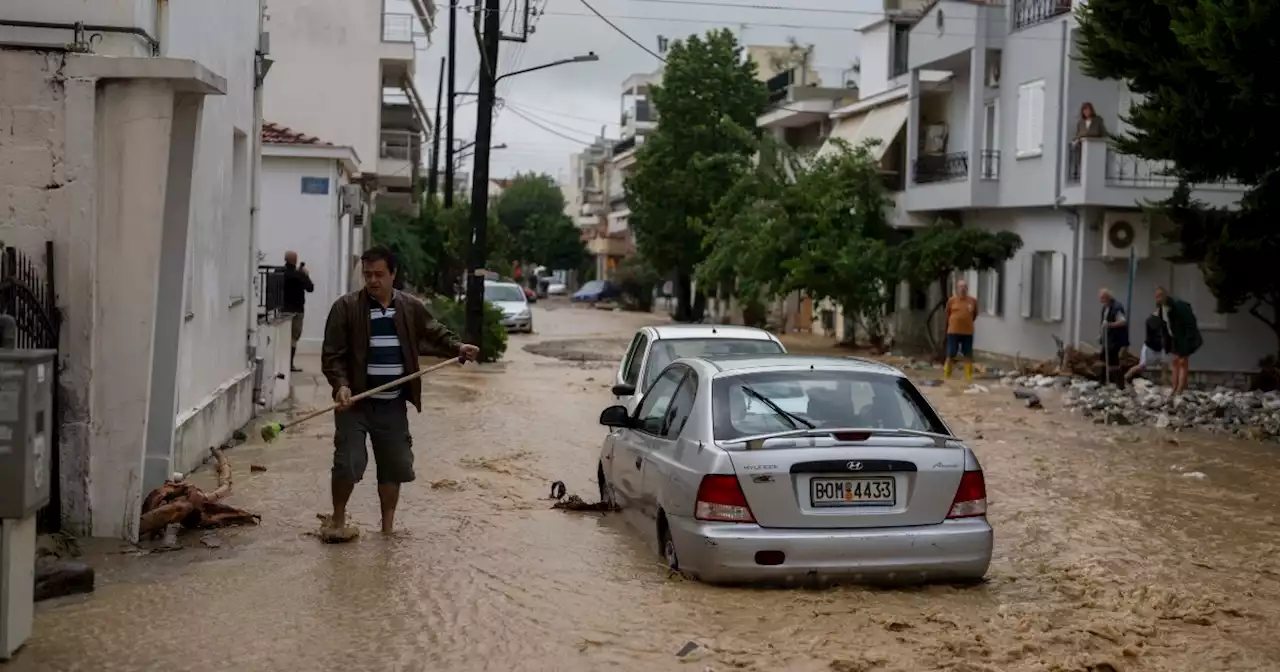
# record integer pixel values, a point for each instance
(446, 484)
(178, 502)
(977, 389)
(59, 578)
(688, 648)
(211, 541)
(1198, 475)
(576, 503)
(257, 468)
(932, 382)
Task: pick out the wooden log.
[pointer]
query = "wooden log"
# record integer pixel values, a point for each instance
(154, 521)
(224, 475)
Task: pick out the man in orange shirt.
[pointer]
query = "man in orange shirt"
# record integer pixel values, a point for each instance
(961, 311)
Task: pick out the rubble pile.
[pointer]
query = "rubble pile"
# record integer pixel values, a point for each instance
(1253, 415)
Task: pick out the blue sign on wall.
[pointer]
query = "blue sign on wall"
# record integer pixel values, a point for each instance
(315, 185)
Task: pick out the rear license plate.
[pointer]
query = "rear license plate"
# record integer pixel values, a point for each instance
(852, 492)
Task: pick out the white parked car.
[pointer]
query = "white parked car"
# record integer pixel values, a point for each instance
(653, 348)
(510, 297)
(557, 289)
(860, 480)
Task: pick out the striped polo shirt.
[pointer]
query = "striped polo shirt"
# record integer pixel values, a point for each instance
(386, 360)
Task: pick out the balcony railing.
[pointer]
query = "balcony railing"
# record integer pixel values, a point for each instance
(1030, 12)
(270, 292)
(398, 27)
(396, 145)
(941, 167)
(989, 168)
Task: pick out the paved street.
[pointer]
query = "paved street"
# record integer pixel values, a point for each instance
(1106, 555)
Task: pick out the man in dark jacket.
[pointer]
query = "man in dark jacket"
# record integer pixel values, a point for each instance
(297, 284)
(1186, 336)
(1155, 347)
(1115, 335)
(372, 337)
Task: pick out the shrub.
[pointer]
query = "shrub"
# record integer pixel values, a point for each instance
(453, 315)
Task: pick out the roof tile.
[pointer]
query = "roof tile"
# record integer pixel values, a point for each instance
(275, 134)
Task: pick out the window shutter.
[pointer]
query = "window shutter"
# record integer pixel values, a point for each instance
(1057, 286)
(1024, 97)
(971, 276)
(1026, 285)
(1036, 114)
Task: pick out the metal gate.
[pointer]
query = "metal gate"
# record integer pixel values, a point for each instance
(27, 294)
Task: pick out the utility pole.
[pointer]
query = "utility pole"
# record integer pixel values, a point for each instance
(433, 175)
(453, 71)
(480, 171)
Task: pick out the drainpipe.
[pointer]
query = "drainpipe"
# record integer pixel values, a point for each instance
(255, 199)
(1071, 333)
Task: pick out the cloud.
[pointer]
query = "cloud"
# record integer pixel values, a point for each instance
(553, 113)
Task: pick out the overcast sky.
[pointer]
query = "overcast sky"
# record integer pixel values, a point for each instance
(576, 100)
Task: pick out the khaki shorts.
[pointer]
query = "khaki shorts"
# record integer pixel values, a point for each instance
(295, 329)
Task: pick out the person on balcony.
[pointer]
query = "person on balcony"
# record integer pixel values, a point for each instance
(1089, 125)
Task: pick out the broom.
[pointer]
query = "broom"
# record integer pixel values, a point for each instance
(271, 430)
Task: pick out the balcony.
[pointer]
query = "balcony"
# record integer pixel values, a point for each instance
(399, 47)
(949, 30)
(1096, 174)
(1027, 13)
(639, 118)
(397, 151)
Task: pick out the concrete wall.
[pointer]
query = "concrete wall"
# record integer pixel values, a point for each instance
(326, 79)
(220, 300)
(1035, 53)
(310, 225)
(124, 13)
(873, 77)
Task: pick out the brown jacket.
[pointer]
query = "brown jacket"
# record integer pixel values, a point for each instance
(344, 358)
(1098, 129)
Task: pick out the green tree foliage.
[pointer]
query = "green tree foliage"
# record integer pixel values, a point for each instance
(935, 253)
(531, 210)
(637, 279)
(1209, 107)
(405, 235)
(708, 96)
(452, 314)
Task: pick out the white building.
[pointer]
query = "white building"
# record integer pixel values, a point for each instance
(133, 149)
(976, 104)
(344, 72)
(306, 193)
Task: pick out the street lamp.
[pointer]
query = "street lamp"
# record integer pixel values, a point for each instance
(479, 251)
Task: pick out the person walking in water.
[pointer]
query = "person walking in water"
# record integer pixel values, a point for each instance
(1155, 347)
(962, 310)
(372, 337)
(1114, 337)
(297, 284)
(1181, 319)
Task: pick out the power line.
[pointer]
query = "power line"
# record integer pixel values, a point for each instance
(780, 8)
(570, 129)
(614, 26)
(552, 131)
(557, 113)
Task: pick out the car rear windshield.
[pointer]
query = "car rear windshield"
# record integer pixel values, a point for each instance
(666, 351)
(831, 398)
(503, 293)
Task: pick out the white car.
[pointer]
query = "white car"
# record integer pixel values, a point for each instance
(510, 297)
(557, 289)
(653, 348)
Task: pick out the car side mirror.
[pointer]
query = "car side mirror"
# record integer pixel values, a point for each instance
(615, 416)
(623, 390)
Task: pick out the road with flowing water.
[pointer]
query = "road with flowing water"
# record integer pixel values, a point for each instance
(1116, 549)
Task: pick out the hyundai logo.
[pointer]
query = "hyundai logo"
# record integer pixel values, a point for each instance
(854, 466)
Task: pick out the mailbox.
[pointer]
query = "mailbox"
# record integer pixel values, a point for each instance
(26, 430)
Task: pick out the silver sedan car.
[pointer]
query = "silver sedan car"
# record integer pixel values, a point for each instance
(786, 468)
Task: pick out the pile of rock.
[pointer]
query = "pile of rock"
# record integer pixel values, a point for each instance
(1254, 415)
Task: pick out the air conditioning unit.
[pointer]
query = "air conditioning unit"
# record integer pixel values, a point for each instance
(352, 200)
(1125, 233)
(993, 74)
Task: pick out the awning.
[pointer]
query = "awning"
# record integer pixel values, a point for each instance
(880, 123)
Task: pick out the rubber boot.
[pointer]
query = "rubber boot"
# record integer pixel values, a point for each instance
(946, 369)
(968, 371)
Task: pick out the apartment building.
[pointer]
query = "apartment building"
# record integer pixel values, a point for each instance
(129, 171)
(976, 105)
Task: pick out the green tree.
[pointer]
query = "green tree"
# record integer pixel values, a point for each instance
(709, 94)
(935, 253)
(1208, 106)
(555, 242)
(531, 210)
(403, 234)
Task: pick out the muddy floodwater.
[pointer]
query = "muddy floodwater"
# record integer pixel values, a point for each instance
(1116, 549)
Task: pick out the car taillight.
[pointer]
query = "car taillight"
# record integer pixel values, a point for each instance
(720, 498)
(971, 496)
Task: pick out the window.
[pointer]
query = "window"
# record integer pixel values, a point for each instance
(681, 406)
(235, 221)
(669, 350)
(653, 410)
(1187, 283)
(990, 291)
(833, 398)
(504, 293)
(1031, 119)
(899, 64)
(631, 370)
(1044, 280)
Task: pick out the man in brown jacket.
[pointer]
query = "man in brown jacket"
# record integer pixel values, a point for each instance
(374, 336)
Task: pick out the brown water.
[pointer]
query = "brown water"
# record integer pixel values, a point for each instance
(1106, 554)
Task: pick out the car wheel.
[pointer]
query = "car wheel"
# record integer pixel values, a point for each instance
(668, 545)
